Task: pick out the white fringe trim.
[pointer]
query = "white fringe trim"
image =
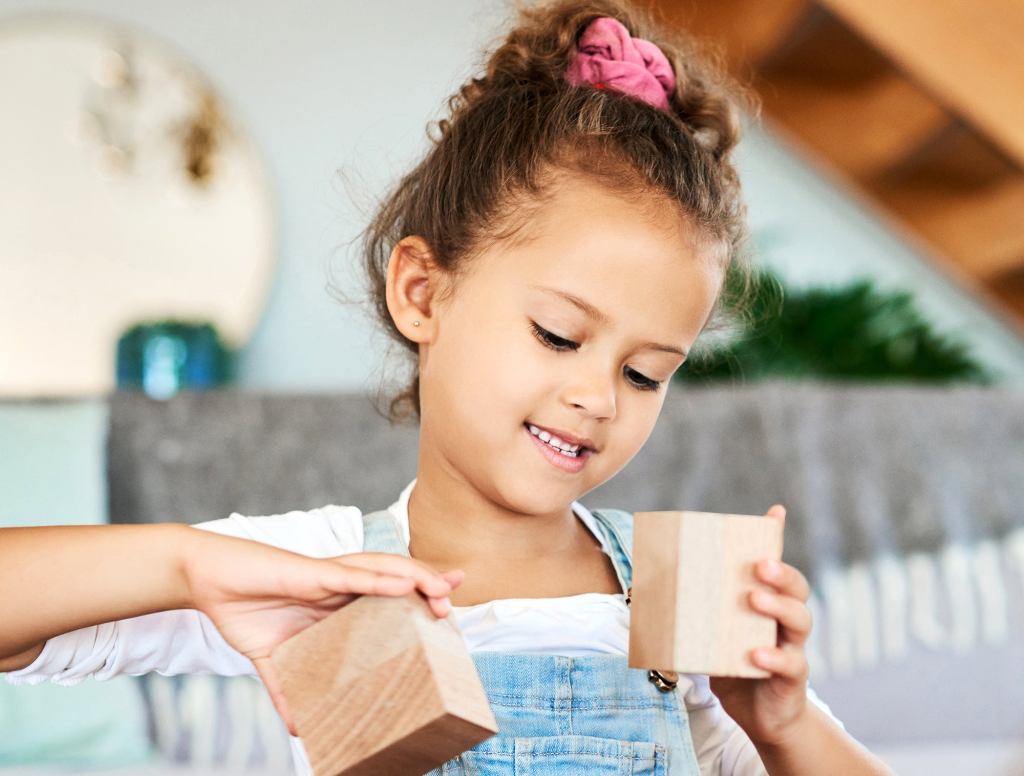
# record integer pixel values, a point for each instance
(895, 605)
(1015, 551)
(995, 624)
(865, 608)
(198, 715)
(277, 753)
(238, 695)
(956, 562)
(951, 600)
(164, 705)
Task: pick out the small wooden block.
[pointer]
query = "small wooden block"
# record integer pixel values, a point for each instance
(692, 576)
(382, 686)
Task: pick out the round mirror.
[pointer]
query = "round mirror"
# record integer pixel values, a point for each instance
(128, 195)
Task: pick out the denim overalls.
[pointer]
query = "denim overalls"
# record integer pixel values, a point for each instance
(558, 715)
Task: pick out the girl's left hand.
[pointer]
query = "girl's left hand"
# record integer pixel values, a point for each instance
(768, 709)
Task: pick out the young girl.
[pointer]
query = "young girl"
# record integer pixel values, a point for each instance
(549, 264)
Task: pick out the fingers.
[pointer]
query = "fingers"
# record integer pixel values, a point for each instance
(429, 581)
(784, 578)
(390, 574)
(788, 661)
(353, 579)
(792, 614)
(787, 603)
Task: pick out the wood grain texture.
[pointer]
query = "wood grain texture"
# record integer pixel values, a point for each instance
(383, 686)
(887, 100)
(967, 54)
(692, 576)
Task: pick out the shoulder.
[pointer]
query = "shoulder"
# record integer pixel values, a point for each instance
(322, 532)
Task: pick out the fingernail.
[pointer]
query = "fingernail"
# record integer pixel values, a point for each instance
(446, 605)
(771, 569)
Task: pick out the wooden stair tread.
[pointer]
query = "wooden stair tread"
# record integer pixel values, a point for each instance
(915, 104)
(969, 55)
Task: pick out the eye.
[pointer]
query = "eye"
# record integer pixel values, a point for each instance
(553, 342)
(645, 383)
(640, 382)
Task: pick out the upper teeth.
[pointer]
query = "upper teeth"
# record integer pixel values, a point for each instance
(553, 440)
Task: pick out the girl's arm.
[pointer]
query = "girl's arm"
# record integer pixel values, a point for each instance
(818, 745)
(55, 579)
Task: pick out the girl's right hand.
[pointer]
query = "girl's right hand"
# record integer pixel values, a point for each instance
(259, 596)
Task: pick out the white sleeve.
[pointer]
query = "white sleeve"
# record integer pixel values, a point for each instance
(185, 641)
(722, 747)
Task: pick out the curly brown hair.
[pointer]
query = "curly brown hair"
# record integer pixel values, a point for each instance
(487, 168)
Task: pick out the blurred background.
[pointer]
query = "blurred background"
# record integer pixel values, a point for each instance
(181, 185)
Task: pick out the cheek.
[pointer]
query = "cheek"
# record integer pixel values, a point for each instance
(516, 375)
(637, 416)
(480, 372)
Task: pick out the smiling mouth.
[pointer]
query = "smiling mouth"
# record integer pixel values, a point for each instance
(567, 463)
(581, 451)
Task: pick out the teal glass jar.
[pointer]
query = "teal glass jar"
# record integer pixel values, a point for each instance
(162, 358)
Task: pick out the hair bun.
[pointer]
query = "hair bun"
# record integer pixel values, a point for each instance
(609, 57)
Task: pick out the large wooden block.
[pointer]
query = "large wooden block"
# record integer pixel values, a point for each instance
(692, 576)
(382, 686)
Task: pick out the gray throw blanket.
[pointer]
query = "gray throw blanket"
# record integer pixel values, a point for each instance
(904, 503)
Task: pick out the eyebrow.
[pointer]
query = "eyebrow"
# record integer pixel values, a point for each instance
(599, 316)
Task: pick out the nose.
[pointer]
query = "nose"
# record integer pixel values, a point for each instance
(593, 393)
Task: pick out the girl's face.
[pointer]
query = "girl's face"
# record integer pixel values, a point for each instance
(512, 348)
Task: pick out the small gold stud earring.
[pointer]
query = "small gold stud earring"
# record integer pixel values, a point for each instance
(415, 323)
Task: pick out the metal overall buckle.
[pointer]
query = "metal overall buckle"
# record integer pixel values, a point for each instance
(665, 681)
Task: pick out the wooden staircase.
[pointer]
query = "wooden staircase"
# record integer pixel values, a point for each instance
(919, 104)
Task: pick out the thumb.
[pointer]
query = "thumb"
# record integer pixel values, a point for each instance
(268, 675)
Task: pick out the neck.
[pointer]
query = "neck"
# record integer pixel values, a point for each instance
(451, 524)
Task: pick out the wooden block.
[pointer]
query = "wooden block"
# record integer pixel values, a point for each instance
(382, 686)
(692, 576)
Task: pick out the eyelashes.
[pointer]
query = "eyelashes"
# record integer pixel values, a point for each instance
(556, 343)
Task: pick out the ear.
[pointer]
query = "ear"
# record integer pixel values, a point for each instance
(412, 285)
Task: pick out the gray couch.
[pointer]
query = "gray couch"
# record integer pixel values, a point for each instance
(904, 512)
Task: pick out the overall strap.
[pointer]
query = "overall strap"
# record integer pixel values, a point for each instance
(381, 534)
(617, 525)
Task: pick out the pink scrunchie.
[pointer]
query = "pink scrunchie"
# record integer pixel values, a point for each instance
(609, 57)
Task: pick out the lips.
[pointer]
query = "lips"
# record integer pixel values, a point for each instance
(565, 436)
(565, 463)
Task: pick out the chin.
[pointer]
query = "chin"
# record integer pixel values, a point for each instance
(509, 490)
(533, 497)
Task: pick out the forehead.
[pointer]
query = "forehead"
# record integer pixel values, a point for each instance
(579, 212)
(617, 251)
